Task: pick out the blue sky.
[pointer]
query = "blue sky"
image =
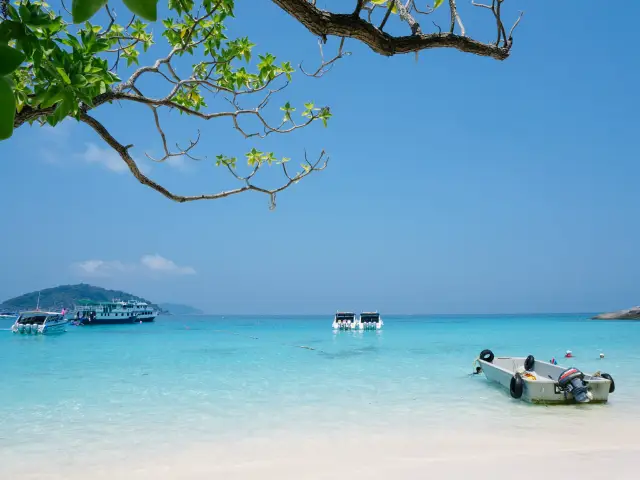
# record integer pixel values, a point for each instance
(457, 184)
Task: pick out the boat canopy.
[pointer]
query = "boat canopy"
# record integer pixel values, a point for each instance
(114, 302)
(369, 317)
(345, 316)
(38, 313)
(37, 317)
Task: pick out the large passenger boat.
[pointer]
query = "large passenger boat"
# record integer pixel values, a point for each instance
(114, 312)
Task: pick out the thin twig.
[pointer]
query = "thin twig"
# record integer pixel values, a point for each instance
(325, 66)
(386, 15)
(455, 17)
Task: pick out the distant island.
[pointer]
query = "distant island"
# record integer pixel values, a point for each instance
(66, 296)
(179, 309)
(628, 314)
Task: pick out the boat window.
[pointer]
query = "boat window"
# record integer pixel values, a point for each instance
(35, 320)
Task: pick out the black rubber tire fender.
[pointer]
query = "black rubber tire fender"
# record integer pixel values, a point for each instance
(487, 356)
(529, 363)
(612, 387)
(516, 388)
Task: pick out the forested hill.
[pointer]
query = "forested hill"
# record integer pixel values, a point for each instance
(180, 309)
(66, 296)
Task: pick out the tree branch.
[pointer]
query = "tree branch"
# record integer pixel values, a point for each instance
(323, 24)
(386, 15)
(455, 18)
(30, 114)
(123, 151)
(359, 5)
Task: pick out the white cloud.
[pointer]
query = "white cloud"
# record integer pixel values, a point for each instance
(158, 263)
(100, 268)
(149, 264)
(109, 159)
(181, 163)
(106, 157)
(178, 163)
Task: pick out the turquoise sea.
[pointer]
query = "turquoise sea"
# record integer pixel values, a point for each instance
(122, 389)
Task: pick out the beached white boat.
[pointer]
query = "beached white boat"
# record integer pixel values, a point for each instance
(542, 382)
(344, 321)
(37, 322)
(370, 321)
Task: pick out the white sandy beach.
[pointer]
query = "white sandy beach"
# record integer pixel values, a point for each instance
(585, 450)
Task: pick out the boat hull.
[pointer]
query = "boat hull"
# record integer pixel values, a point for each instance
(350, 326)
(370, 326)
(542, 387)
(54, 329)
(107, 321)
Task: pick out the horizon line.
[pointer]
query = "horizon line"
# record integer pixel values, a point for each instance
(391, 313)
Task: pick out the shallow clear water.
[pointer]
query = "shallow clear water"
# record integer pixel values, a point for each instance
(186, 379)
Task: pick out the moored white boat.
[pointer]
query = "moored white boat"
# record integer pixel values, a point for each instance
(114, 312)
(370, 321)
(344, 321)
(542, 382)
(37, 322)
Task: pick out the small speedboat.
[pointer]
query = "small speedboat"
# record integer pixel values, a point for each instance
(370, 321)
(344, 321)
(40, 323)
(543, 382)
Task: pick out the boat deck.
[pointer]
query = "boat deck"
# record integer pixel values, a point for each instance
(541, 382)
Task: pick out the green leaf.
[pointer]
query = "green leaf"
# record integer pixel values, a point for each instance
(10, 59)
(10, 30)
(64, 75)
(394, 9)
(147, 9)
(7, 109)
(62, 110)
(437, 3)
(78, 80)
(71, 41)
(51, 96)
(83, 10)
(287, 108)
(25, 13)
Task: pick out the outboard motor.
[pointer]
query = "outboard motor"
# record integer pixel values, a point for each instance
(571, 381)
